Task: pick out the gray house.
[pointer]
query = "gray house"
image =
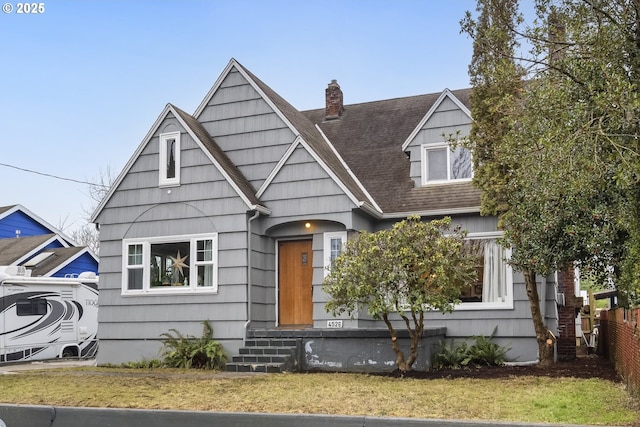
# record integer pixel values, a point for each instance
(232, 214)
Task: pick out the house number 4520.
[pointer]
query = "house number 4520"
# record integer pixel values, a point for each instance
(334, 324)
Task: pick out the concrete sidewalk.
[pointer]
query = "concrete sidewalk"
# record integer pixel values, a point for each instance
(8, 368)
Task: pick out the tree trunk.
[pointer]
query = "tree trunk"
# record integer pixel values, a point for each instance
(400, 361)
(544, 337)
(416, 336)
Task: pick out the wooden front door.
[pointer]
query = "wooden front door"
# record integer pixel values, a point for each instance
(295, 272)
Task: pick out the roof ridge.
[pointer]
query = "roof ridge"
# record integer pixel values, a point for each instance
(397, 98)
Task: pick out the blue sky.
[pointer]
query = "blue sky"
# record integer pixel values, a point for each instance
(82, 83)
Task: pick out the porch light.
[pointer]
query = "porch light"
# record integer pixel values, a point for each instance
(307, 225)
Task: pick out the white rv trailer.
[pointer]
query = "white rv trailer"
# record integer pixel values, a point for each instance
(47, 317)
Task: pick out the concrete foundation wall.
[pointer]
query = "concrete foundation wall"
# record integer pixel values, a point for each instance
(355, 350)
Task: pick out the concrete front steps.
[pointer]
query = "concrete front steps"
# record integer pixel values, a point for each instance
(269, 355)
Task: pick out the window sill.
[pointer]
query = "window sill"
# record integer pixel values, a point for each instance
(446, 182)
(483, 306)
(169, 184)
(169, 290)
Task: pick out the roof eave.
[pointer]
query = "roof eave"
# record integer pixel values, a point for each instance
(262, 209)
(371, 210)
(433, 212)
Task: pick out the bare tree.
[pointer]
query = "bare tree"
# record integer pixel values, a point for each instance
(88, 234)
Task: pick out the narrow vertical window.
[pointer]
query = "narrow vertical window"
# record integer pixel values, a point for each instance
(205, 262)
(135, 267)
(333, 244)
(171, 162)
(169, 153)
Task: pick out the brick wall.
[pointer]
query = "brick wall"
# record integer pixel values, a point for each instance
(620, 341)
(566, 339)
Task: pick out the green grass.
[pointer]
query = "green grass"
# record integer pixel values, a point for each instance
(519, 399)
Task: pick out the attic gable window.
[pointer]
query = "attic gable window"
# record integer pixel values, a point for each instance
(169, 165)
(441, 164)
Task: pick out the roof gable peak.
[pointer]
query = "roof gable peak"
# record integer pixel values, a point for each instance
(190, 125)
(446, 93)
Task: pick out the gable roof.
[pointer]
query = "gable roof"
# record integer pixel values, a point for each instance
(446, 94)
(16, 250)
(362, 151)
(370, 136)
(309, 136)
(218, 157)
(58, 258)
(5, 211)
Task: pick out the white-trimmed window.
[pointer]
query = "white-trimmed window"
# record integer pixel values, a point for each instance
(170, 264)
(442, 164)
(493, 288)
(333, 244)
(169, 165)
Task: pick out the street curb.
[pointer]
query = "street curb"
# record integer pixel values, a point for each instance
(50, 416)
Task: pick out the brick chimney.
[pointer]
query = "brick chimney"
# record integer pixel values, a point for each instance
(334, 105)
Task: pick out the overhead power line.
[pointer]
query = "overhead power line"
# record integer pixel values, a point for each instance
(53, 176)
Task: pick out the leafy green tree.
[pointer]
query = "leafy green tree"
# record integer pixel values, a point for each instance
(412, 267)
(496, 101)
(497, 82)
(577, 130)
(564, 177)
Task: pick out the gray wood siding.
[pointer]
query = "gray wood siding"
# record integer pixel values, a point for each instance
(302, 190)
(246, 128)
(263, 298)
(446, 120)
(203, 203)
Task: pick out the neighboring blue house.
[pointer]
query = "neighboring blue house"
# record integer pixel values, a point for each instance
(233, 213)
(29, 241)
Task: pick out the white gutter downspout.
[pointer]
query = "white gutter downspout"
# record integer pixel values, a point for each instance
(249, 265)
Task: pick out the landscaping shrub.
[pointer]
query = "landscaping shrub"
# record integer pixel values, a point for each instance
(459, 355)
(452, 356)
(181, 351)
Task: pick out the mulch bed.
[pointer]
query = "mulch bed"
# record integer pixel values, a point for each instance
(584, 366)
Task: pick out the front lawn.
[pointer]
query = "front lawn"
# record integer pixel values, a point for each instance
(518, 398)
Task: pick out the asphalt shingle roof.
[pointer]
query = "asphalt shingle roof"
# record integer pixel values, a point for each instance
(13, 249)
(369, 137)
(59, 257)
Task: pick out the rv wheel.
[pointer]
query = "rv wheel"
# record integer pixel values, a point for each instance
(68, 352)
